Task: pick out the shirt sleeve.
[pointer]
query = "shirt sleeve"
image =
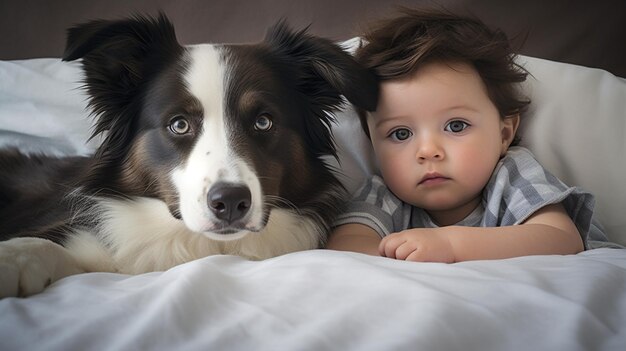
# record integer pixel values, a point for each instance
(375, 206)
(520, 186)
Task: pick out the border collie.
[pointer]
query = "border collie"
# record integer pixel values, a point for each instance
(207, 149)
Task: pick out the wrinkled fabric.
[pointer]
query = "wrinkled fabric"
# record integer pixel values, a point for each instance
(331, 300)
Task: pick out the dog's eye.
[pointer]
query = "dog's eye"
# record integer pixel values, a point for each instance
(263, 123)
(179, 125)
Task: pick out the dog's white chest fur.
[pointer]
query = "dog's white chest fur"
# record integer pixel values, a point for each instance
(140, 236)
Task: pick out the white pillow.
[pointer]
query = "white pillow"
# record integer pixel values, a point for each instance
(42, 108)
(576, 127)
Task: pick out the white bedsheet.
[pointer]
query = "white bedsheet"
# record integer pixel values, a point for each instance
(328, 300)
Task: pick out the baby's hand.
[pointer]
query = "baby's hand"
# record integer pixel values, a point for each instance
(424, 245)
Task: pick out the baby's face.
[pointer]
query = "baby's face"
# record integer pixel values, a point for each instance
(437, 137)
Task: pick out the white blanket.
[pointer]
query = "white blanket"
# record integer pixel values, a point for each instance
(326, 300)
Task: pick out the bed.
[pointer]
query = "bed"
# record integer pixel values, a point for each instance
(330, 300)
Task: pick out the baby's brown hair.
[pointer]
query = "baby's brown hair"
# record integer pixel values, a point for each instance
(395, 48)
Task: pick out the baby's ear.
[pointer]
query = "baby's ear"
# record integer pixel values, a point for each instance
(508, 129)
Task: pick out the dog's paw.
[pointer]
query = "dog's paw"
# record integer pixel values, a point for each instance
(29, 265)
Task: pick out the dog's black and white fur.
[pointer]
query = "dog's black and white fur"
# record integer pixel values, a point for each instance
(207, 149)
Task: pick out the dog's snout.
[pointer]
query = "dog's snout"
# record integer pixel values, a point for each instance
(229, 202)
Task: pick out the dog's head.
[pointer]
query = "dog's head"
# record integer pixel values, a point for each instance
(221, 133)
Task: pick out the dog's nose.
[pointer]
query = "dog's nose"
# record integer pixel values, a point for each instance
(229, 202)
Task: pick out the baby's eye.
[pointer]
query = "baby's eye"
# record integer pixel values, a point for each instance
(456, 126)
(401, 134)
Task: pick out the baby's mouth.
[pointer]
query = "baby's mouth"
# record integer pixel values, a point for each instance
(432, 178)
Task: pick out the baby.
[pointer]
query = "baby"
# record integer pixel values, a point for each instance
(454, 186)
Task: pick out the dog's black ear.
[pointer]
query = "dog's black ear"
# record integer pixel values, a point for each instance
(117, 57)
(132, 39)
(324, 73)
(328, 63)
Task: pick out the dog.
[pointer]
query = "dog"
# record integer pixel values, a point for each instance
(206, 149)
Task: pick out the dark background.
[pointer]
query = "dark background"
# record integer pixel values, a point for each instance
(590, 33)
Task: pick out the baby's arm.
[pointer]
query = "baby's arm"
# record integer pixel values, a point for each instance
(354, 237)
(548, 231)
